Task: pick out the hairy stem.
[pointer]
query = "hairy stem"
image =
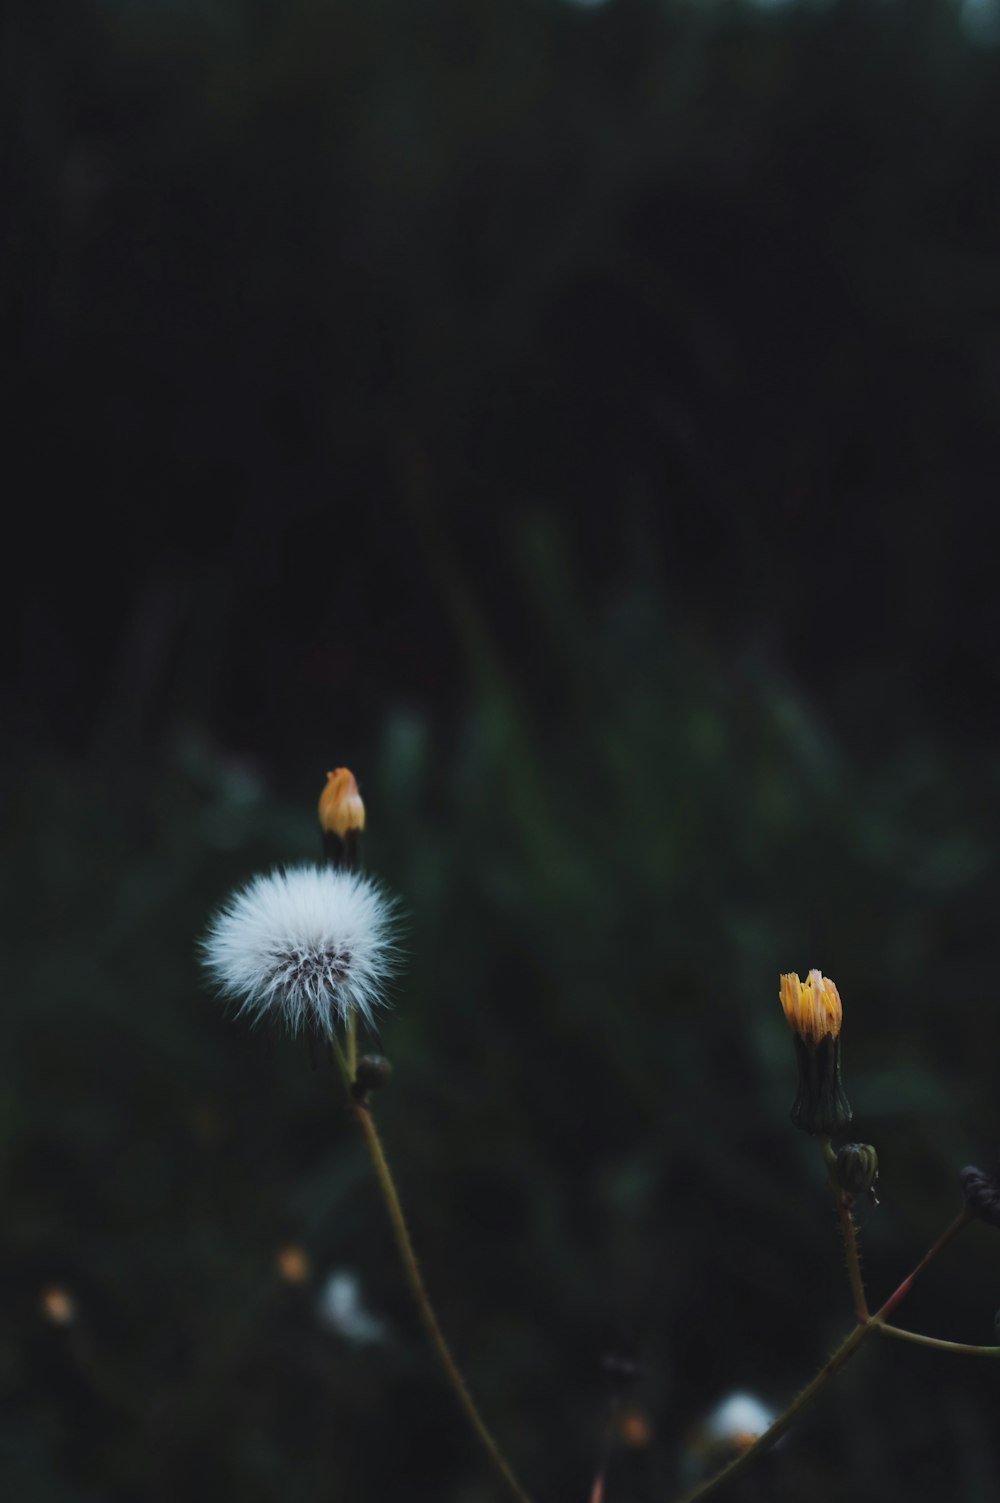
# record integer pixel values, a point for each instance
(848, 1233)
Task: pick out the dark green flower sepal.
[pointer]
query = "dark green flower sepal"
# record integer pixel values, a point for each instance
(821, 1106)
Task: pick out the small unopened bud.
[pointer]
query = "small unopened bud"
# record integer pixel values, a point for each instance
(58, 1306)
(293, 1264)
(857, 1170)
(982, 1194)
(813, 1011)
(371, 1074)
(634, 1429)
(341, 817)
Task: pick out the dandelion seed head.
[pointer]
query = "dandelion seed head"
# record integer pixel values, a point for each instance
(307, 945)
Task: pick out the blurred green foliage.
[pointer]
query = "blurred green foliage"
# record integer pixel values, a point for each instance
(588, 1116)
(583, 422)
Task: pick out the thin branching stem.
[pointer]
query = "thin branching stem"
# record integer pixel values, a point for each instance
(842, 1355)
(960, 1347)
(844, 1352)
(960, 1222)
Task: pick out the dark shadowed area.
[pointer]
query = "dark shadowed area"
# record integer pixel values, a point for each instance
(583, 421)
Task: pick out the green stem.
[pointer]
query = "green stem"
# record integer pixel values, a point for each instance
(848, 1233)
(340, 1060)
(937, 1343)
(352, 1042)
(363, 1117)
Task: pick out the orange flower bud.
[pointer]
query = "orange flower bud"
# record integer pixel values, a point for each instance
(58, 1306)
(293, 1264)
(634, 1429)
(341, 810)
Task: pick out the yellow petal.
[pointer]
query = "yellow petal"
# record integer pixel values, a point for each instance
(812, 1007)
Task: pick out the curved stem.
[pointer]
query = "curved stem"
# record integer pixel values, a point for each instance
(414, 1277)
(848, 1233)
(936, 1342)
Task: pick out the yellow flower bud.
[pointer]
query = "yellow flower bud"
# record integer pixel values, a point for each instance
(814, 1013)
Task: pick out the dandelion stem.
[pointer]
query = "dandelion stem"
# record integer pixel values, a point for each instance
(848, 1233)
(352, 1041)
(340, 1060)
(414, 1277)
(937, 1343)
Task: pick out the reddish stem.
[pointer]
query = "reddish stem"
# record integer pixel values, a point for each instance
(961, 1220)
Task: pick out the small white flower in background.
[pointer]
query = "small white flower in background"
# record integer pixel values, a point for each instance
(307, 945)
(738, 1421)
(725, 1431)
(341, 1309)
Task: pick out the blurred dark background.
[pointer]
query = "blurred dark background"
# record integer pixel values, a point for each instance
(583, 422)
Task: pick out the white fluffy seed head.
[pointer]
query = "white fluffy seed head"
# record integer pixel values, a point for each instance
(306, 945)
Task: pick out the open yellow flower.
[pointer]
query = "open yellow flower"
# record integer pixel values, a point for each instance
(812, 1007)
